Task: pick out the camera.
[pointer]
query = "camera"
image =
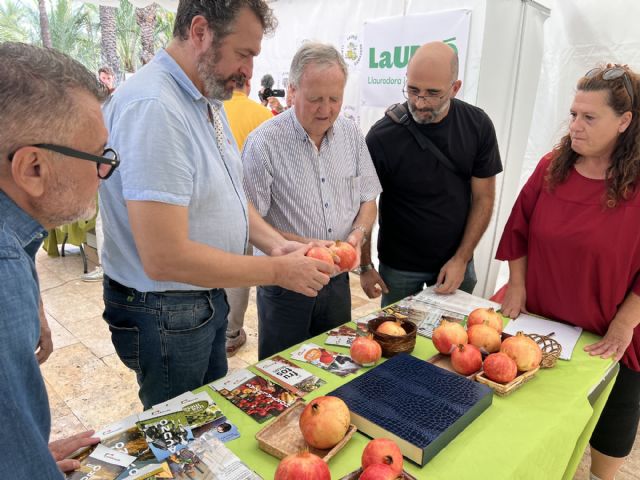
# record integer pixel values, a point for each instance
(268, 92)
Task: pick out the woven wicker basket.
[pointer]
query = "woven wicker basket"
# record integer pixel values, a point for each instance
(390, 344)
(504, 389)
(551, 349)
(355, 475)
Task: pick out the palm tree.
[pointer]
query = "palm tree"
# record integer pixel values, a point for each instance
(146, 20)
(18, 23)
(44, 25)
(164, 28)
(108, 39)
(128, 38)
(74, 31)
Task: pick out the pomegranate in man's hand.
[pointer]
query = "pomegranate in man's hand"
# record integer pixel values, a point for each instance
(347, 255)
(382, 451)
(466, 359)
(482, 315)
(448, 334)
(500, 367)
(302, 466)
(324, 422)
(321, 253)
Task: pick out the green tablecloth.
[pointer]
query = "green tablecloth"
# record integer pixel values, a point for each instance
(75, 232)
(538, 432)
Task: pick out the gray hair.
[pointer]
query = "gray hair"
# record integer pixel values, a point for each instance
(316, 53)
(37, 95)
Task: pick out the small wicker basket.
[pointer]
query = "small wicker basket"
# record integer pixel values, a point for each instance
(390, 344)
(551, 349)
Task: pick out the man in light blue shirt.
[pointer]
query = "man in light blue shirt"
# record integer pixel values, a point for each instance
(176, 221)
(52, 140)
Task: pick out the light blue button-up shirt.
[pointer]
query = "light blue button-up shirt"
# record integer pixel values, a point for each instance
(160, 125)
(24, 407)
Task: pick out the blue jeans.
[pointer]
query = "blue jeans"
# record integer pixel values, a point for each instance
(286, 318)
(173, 341)
(402, 283)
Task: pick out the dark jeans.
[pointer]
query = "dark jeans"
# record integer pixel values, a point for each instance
(286, 318)
(402, 283)
(173, 341)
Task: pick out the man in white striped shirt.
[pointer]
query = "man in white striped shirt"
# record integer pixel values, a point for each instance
(309, 174)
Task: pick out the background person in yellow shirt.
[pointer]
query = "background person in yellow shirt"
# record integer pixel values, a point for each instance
(244, 115)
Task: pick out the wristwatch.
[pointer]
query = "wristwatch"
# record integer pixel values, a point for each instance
(365, 268)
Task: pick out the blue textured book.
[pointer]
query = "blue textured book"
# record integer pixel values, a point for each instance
(418, 405)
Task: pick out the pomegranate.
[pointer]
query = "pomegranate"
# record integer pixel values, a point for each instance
(484, 337)
(347, 255)
(482, 315)
(382, 451)
(365, 351)
(325, 421)
(302, 466)
(523, 350)
(393, 328)
(447, 335)
(321, 253)
(466, 359)
(500, 367)
(379, 471)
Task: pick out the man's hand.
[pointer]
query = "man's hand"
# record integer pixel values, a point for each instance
(451, 276)
(61, 449)
(45, 344)
(302, 274)
(372, 283)
(275, 105)
(515, 301)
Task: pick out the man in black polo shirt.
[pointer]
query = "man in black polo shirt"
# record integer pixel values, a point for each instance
(437, 165)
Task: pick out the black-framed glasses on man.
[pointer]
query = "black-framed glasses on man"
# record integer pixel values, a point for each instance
(613, 73)
(106, 164)
(412, 93)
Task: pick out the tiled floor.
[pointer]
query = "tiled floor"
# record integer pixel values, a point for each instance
(88, 385)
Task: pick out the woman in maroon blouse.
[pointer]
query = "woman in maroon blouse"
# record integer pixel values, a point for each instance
(573, 244)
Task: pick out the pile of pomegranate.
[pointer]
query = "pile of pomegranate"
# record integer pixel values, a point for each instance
(483, 335)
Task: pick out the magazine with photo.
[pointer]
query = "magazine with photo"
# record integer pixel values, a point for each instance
(337, 363)
(166, 430)
(342, 336)
(289, 375)
(258, 397)
(102, 463)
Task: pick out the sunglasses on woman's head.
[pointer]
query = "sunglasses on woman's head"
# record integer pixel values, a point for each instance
(613, 73)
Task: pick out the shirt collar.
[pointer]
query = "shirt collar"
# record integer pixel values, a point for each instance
(299, 129)
(182, 79)
(25, 227)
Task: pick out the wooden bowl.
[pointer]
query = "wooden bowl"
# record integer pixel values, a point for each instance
(390, 344)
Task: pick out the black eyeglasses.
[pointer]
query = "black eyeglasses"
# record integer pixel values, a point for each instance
(613, 73)
(413, 94)
(106, 164)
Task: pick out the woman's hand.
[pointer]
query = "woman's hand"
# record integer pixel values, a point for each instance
(614, 343)
(515, 301)
(620, 332)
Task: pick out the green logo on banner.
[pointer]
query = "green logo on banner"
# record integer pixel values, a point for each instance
(399, 57)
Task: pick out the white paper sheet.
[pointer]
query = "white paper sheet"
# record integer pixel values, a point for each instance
(458, 302)
(565, 335)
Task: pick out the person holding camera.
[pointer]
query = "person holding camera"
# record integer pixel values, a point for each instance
(267, 95)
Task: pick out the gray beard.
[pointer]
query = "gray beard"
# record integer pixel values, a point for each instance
(433, 114)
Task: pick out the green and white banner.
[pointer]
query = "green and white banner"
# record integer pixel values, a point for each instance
(389, 43)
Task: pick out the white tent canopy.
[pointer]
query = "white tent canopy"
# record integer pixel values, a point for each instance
(522, 63)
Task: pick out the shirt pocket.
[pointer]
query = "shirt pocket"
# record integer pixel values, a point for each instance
(353, 187)
(9, 252)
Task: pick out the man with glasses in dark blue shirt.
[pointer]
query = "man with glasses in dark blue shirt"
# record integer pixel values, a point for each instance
(52, 157)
